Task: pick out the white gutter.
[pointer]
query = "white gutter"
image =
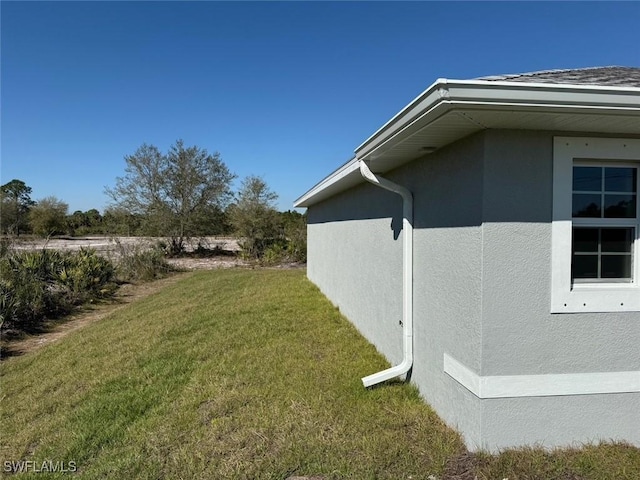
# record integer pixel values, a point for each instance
(347, 175)
(448, 98)
(407, 277)
(516, 95)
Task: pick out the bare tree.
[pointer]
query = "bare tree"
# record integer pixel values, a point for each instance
(175, 192)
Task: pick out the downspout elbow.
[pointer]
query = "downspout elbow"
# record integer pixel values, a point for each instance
(407, 277)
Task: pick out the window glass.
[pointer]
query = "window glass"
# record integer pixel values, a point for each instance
(616, 266)
(619, 206)
(584, 266)
(600, 192)
(616, 239)
(587, 205)
(602, 253)
(587, 179)
(619, 179)
(585, 240)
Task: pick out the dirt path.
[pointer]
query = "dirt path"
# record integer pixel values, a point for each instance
(126, 294)
(87, 315)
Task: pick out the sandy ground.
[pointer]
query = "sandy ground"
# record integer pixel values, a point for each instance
(110, 244)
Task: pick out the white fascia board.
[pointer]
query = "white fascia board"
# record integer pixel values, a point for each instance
(327, 186)
(543, 93)
(416, 108)
(444, 95)
(488, 94)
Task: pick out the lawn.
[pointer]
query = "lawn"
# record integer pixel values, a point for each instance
(244, 374)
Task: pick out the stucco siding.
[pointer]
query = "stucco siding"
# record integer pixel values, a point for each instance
(520, 335)
(447, 186)
(560, 421)
(482, 291)
(355, 258)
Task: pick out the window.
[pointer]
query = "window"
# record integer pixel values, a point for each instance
(604, 216)
(595, 232)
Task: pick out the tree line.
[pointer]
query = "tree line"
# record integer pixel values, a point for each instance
(179, 195)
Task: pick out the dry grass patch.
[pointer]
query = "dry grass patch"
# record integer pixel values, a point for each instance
(243, 374)
(226, 374)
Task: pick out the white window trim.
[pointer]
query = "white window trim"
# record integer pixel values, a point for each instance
(594, 297)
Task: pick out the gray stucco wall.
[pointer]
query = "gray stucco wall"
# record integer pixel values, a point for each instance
(355, 258)
(520, 335)
(482, 266)
(353, 244)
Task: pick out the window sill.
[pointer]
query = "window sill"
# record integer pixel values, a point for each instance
(577, 287)
(598, 297)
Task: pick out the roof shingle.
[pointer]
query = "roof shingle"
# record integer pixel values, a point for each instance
(607, 76)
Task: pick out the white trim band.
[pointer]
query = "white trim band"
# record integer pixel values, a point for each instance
(506, 386)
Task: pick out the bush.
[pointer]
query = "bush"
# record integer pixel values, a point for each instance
(35, 285)
(273, 254)
(86, 274)
(276, 251)
(281, 237)
(45, 283)
(141, 263)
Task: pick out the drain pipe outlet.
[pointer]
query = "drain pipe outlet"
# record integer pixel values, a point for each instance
(407, 277)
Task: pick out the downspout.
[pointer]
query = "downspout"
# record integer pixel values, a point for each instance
(407, 277)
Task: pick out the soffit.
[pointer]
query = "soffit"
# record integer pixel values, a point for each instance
(458, 123)
(451, 110)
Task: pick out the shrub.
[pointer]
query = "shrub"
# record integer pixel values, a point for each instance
(86, 274)
(140, 262)
(273, 254)
(47, 283)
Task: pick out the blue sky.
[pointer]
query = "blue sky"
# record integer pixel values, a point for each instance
(283, 90)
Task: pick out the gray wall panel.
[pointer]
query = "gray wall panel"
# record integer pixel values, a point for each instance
(520, 335)
(560, 421)
(357, 264)
(482, 280)
(447, 187)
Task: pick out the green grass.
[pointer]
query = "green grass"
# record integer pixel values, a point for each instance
(243, 374)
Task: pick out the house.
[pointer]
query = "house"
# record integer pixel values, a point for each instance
(486, 240)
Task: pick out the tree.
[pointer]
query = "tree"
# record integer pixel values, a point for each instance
(76, 221)
(94, 219)
(118, 221)
(295, 230)
(175, 193)
(48, 216)
(255, 218)
(16, 202)
(83, 223)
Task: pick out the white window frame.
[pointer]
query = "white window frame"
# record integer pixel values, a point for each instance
(598, 296)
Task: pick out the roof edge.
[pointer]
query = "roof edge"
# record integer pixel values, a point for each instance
(446, 95)
(324, 188)
(487, 92)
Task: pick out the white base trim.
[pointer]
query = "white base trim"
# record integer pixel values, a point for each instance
(506, 386)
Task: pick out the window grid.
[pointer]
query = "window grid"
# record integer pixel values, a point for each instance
(602, 221)
(590, 296)
(599, 253)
